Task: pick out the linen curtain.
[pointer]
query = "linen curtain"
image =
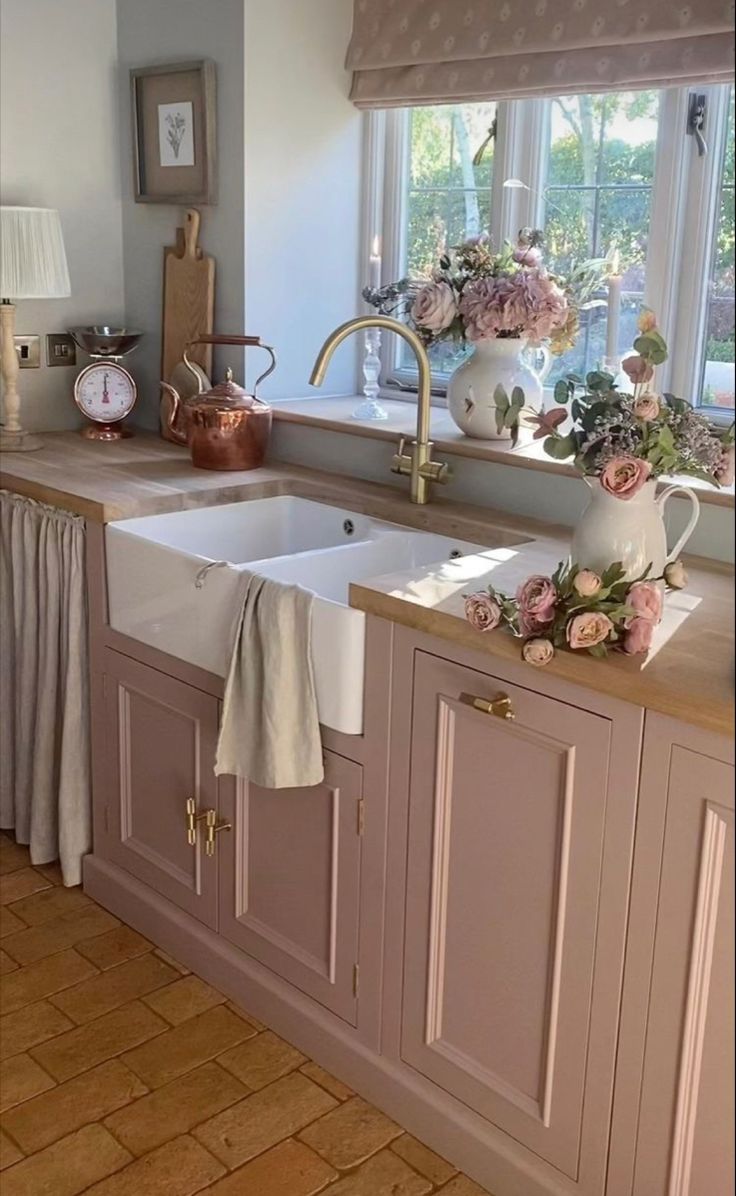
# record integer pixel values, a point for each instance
(406, 52)
(45, 791)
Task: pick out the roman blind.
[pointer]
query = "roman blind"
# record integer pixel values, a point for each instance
(406, 52)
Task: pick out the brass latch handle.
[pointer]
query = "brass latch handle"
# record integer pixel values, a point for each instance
(192, 818)
(213, 827)
(500, 705)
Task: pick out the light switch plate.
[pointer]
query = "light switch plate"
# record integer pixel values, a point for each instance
(28, 349)
(60, 349)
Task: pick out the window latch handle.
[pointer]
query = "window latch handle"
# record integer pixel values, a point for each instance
(696, 115)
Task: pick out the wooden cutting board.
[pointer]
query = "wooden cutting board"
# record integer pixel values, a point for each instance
(189, 298)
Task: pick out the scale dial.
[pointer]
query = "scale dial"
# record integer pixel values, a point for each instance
(105, 392)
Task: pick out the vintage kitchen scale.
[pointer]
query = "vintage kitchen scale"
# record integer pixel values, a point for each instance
(104, 391)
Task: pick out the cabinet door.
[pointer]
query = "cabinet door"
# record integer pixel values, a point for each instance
(684, 1143)
(161, 737)
(506, 822)
(290, 881)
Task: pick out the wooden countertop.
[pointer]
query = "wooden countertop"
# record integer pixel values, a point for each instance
(689, 674)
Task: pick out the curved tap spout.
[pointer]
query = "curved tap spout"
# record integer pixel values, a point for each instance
(418, 464)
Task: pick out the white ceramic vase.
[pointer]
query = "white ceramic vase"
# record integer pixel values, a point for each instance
(630, 531)
(471, 389)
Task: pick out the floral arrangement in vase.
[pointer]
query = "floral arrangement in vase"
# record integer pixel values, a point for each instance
(622, 443)
(577, 609)
(500, 303)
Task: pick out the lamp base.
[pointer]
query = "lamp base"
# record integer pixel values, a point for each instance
(19, 442)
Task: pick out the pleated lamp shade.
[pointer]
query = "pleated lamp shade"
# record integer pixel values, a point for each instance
(32, 257)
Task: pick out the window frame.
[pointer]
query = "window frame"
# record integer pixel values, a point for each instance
(685, 194)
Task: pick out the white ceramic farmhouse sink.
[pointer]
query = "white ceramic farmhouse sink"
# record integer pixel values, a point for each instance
(157, 592)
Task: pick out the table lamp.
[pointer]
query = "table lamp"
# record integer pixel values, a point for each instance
(32, 266)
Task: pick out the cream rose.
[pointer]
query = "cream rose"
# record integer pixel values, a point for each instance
(538, 651)
(587, 583)
(588, 629)
(647, 321)
(647, 407)
(624, 476)
(435, 307)
(675, 575)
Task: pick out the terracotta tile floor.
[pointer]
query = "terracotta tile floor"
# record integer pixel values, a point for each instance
(123, 1074)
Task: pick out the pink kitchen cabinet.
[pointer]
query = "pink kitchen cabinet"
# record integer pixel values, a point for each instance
(674, 1111)
(160, 739)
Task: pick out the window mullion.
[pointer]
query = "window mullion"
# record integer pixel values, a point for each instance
(395, 193)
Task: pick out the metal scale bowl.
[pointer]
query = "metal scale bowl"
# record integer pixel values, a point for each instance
(104, 391)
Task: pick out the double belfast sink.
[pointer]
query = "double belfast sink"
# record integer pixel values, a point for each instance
(162, 592)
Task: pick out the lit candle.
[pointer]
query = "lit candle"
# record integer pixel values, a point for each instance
(615, 284)
(374, 273)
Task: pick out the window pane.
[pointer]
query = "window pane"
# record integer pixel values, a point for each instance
(449, 198)
(717, 386)
(600, 174)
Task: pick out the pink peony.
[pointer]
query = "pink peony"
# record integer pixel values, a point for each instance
(645, 597)
(646, 407)
(482, 612)
(638, 638)
(587, 583)
(435, 307)
(725, 470)
(624, 476)
(588, 629)
(537, 599)
(538, 651)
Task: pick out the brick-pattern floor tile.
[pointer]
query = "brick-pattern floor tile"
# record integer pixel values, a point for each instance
(462, 1186)
(52, 872)
(174, 963)
(423, 1160)
(9, 1152)
(21, 1078)
(334, 1086)
(262, 1060)
(175, 1108)
(187, 1046)
(67, 931)
(289, 1169)
(179, 1168)
(9, 922)
(383, 1175)
(6, 963)
(19, 884)
(108, 990)
(89, 1097)
(350, 1133)
(249, 1017)
(183, 999)
(52, 903)
(67, 1167)
(30, 1026)
(116, 946)
(108, 1036)
(12, 856)
(260, 1121)
(43, 978)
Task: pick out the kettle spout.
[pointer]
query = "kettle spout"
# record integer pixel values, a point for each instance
(174, 406)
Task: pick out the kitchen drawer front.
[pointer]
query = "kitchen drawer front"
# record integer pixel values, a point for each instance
(290, 881)
(506, 827)
(160, 740)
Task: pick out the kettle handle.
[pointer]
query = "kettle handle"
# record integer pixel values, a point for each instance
(179, 437)
(255, 342)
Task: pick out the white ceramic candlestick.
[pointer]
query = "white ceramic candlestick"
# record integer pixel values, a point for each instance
(12, 436)
(615, 284)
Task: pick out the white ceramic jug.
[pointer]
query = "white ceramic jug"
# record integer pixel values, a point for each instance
(471, 389)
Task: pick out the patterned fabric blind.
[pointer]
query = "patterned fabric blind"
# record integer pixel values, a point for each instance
(406, 52)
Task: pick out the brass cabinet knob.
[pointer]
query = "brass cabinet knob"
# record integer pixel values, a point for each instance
(500, 706)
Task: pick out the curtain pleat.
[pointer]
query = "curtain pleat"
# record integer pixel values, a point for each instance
(45, 794)
(406, 52)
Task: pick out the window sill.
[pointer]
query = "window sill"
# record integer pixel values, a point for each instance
(335, 415)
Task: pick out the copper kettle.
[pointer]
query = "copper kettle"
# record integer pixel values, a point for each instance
(225, 427)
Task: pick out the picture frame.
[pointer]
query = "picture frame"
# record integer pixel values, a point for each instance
(174, 132)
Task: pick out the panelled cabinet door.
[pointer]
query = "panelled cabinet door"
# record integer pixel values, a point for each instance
(506, 821)
(161, 737)
(686, 1119)
(290, 881)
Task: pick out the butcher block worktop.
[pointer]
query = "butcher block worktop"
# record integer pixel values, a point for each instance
(689, 674)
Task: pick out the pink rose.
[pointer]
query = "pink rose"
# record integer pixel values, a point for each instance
(725, 470)
(623, 477)
(587, 583)
(527, 255)
(537, 598)
(637, 368)
(537, 651)
(646, 599)
(646, 407)
(482, 612)
(435, 307)
(638, 638)
(588, 629)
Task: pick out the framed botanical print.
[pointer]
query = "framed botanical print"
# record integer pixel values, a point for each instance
(174, 132)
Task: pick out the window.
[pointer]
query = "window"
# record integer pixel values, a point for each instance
(599, 173)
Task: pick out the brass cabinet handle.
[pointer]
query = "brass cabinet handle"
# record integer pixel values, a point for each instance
(500, 705)
(213, 827)
(191, 822)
